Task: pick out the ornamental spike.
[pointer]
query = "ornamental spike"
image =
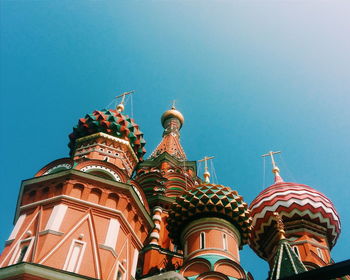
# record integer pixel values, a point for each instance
(275, 169)
(206, 173)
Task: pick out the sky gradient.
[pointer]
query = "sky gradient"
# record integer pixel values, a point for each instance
(248, 76)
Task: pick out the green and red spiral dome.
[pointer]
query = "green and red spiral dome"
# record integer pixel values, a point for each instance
(295, 203)
(209, 200)
(113, 123)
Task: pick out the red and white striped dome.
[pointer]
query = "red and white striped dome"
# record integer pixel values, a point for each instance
(293, 202)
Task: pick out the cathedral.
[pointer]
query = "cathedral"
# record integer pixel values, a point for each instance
(107, 212)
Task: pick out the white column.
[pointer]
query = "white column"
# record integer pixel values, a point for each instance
(134, 262)
(112, 233)
(17, 226)
(56, 217)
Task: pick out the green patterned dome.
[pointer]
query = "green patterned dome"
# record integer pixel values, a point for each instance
(209, 200)
(113, 123)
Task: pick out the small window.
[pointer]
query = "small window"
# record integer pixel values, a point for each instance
(23, 252)
(319, 253)
(296, 251)
(106, 159)
(202, 240)
(224, 240)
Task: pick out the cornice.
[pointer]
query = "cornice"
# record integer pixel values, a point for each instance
(73, 174)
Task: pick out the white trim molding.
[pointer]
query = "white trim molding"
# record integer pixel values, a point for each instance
(56, 217)
(75, 256)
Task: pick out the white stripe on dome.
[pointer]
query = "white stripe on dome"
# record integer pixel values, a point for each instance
(289, 202)
(270, 197)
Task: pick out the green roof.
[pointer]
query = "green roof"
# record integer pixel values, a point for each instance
(286, 262)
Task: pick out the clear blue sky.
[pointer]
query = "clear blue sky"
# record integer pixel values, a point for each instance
(249, 77)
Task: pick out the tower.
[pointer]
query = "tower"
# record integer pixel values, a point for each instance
(311, 222)
(85, 209)
(165, 175)
(211, 223)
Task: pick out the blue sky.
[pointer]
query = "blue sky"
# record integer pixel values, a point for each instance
(249, 77)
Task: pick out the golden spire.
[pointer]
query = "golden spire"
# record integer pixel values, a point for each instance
(120, 106)
(275, 169)
(279, 225)
(206, 173)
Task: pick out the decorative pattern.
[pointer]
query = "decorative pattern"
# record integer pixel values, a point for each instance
(103, 168)
(209, 200)
(293, 202)
(58, 167)
(138, 194)
(170, 144)
(111, 122)
(286, 262)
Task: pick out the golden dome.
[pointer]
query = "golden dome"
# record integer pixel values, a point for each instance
(172, 113)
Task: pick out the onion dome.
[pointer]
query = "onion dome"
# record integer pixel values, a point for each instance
(209, 200)
(172, 121)
(294, 202)
(172, 113)
(113, 123)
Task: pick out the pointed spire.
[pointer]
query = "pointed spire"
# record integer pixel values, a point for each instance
(206, 173)
(172, 121)
(275, 169)
(286, 262)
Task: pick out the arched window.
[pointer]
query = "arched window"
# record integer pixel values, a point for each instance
(95, 195)
(112, 200)
(296, 251)
(22, 253)
(319, 253)
(224, 241)
(77, 190)
(202, 240)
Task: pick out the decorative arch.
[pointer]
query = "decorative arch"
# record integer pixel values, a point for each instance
(95, 195)
(196, 267)
(58, 189)
(77, 190)
(102, 169)
(230, 268)
(56, 166)
(112, 200)
(31, 196)
(213, 275)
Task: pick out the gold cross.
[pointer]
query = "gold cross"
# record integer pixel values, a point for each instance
(173, 106)
(272, 158)
(123, 95)
(205, 159)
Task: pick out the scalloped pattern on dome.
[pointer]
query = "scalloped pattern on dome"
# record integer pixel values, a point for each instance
(113, 123)
(209, 200)
(293, 202)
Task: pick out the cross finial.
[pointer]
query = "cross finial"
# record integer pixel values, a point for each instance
(120, 107)
(206, 173)
(173, 105)
(275, 169)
